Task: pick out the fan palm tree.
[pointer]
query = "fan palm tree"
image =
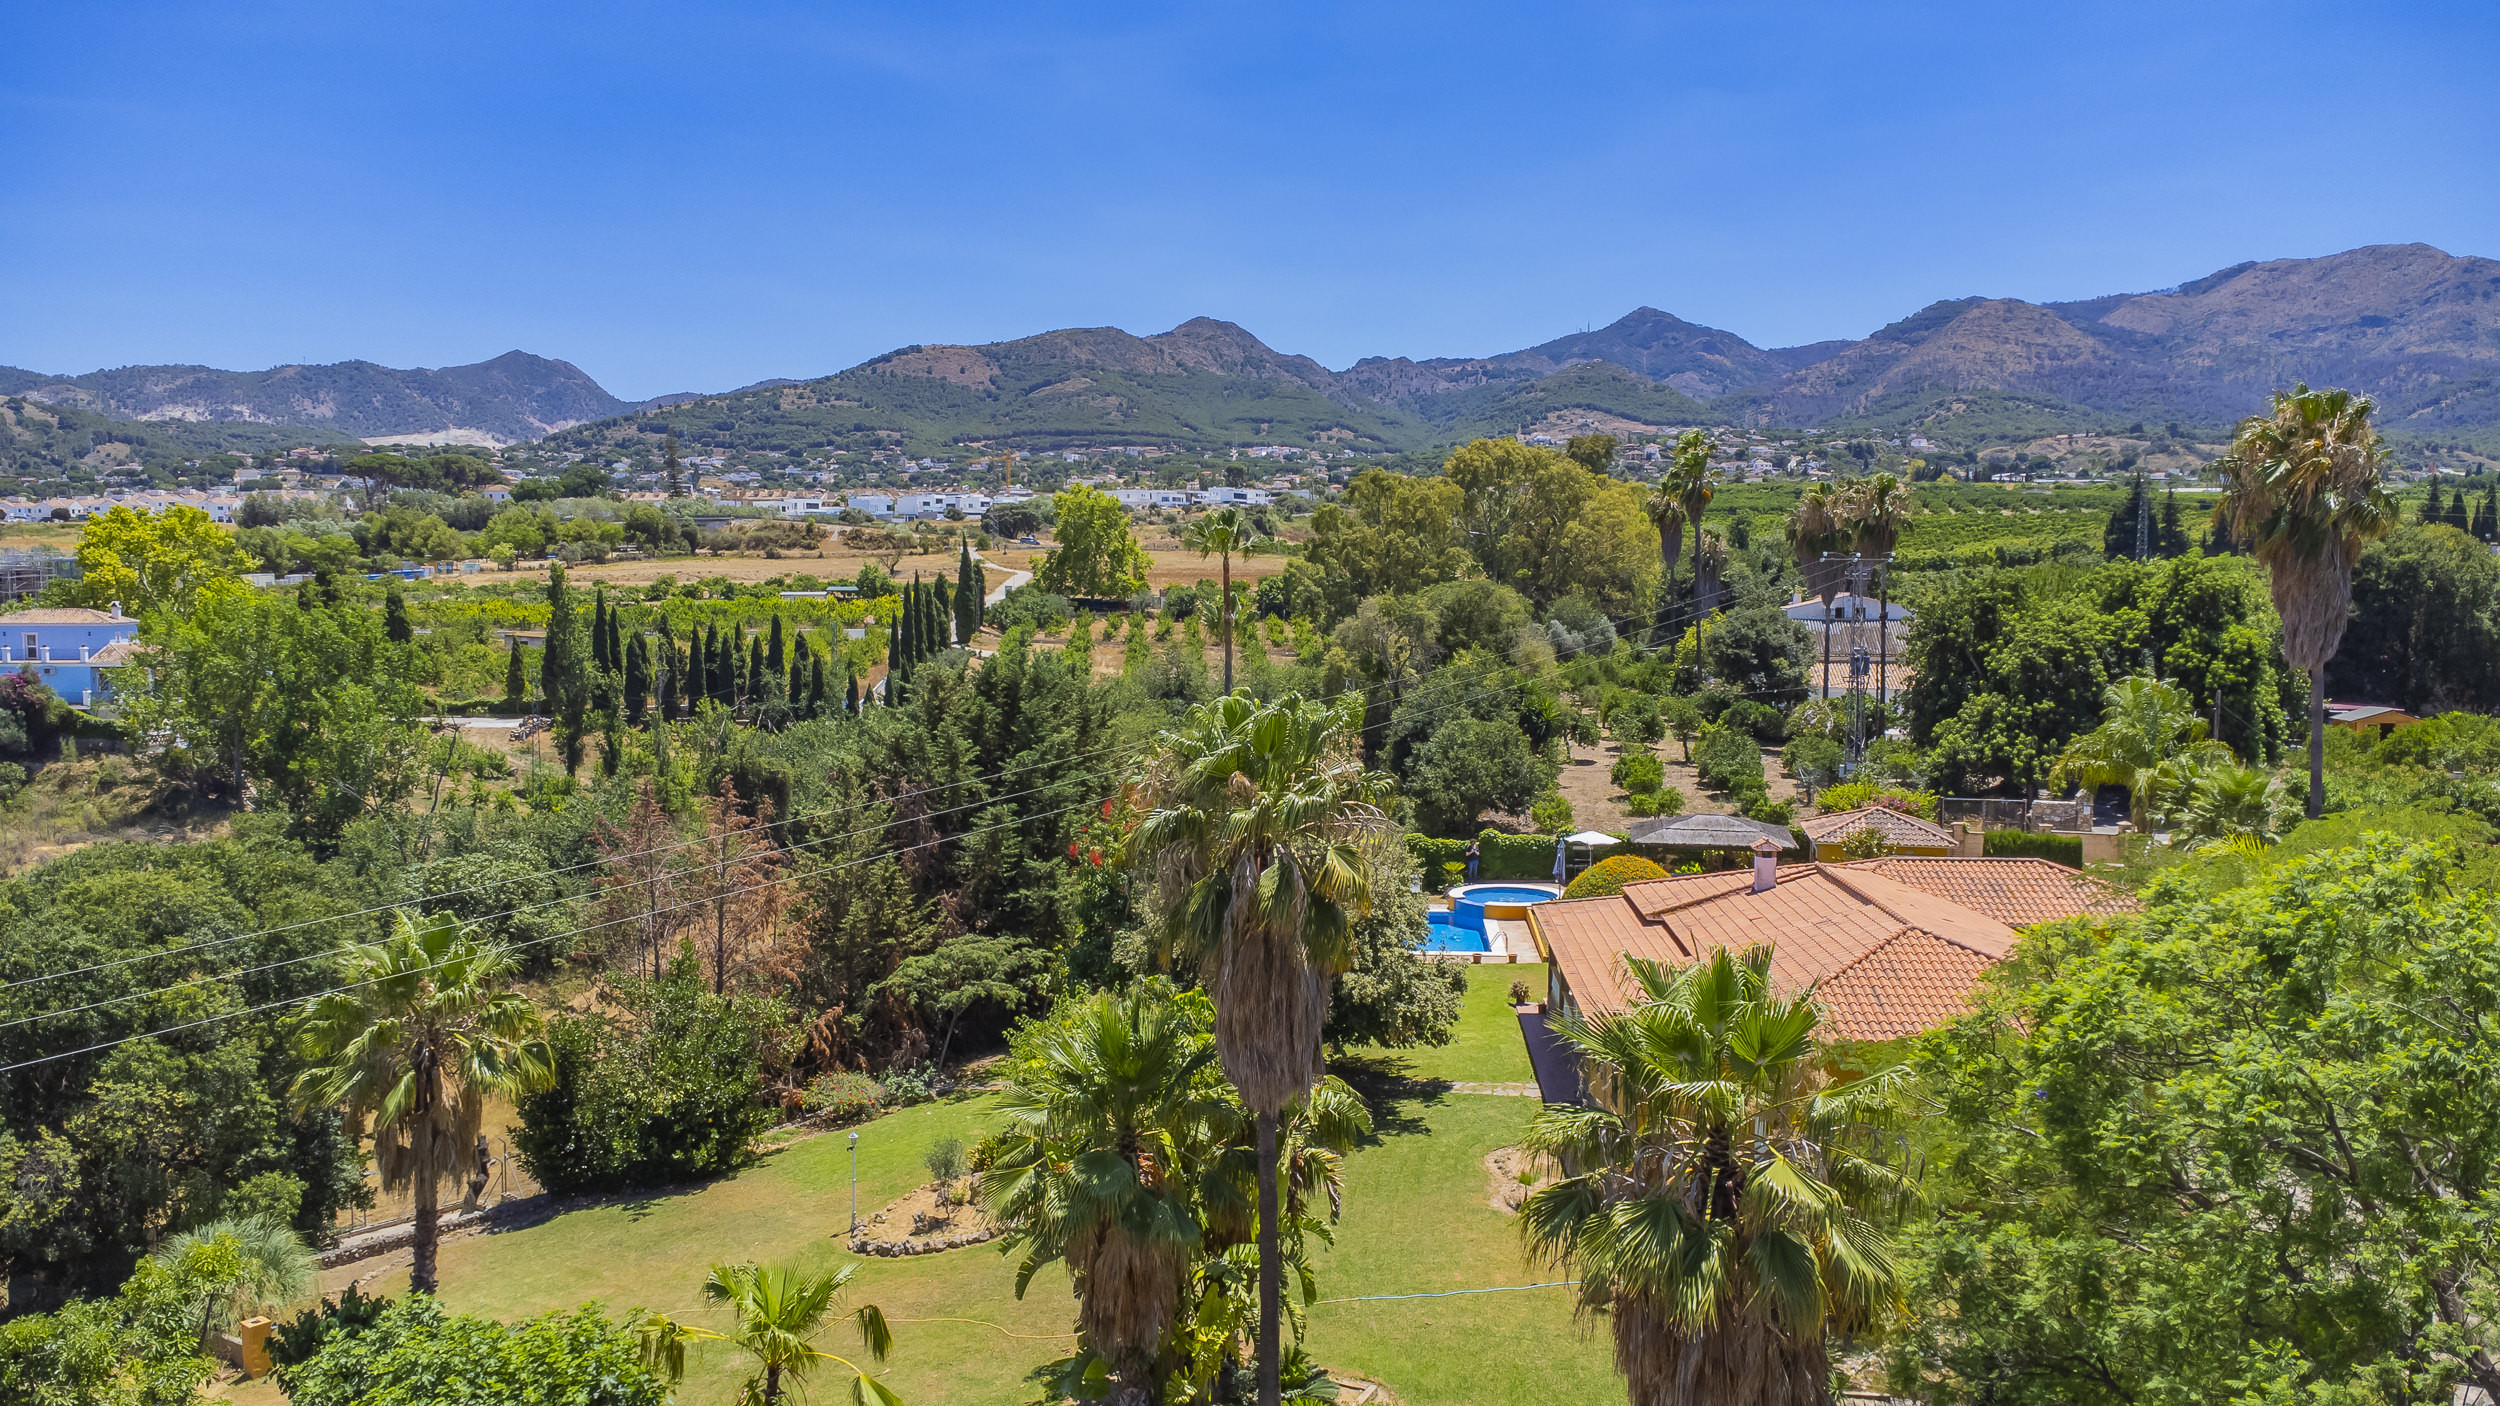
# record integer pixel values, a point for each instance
(1666, 511)
(1221, 533)
(2302, 488)
(273, 1268)
(1878, 510)
(1693, 483)
(1255, 835)
(1113, 1109)
(415, 1038)
(2223, 803)
(1728, 1195)
(1817, 523)
(779, 1312)
(2147, 728)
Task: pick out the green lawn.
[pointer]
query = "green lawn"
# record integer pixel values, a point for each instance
(1416, 1222)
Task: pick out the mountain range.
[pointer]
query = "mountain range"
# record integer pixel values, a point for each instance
(2414, 327)
(516, 396)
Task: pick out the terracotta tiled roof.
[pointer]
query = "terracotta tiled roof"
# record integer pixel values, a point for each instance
(1897, 827)
(61, 615)
(1821, 921)
(2015, 892)
(118, 653)
(1909, 982)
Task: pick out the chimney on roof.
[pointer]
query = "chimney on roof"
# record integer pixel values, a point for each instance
(117, 610)
(1766, 864)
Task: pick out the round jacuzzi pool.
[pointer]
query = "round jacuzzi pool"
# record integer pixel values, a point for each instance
(1471, 904)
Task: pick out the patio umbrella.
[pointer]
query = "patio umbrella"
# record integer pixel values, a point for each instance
(1590, 840)
(1559, 842)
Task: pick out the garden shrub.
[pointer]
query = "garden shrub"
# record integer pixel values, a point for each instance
(1030, 605)
(415, 1354)
(1728, 759)
(1766, 723)
(2026, 844)
(842, 1096)
(1666, 800)
(1856, 795)
(1638, 772)
(1608, 876)
(672, 1092)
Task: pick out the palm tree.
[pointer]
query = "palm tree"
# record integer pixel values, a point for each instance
(2302, 490)
(2147, 727)
(1693, 484)
(415, 1038)
(1255, 838)
(1877, 511)
(2224, 803)
(1666, 511)
(271, 1268)
(1727, 1193)
(1113, 1106)
(1222, 532)
(1816, 524)
(778, 1311)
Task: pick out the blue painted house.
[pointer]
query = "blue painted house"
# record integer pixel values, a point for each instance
(68, 648)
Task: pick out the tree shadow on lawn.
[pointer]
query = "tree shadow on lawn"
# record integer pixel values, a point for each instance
(1396, 1097)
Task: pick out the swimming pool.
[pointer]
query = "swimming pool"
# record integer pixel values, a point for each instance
(1471, 904)
(1447, 936)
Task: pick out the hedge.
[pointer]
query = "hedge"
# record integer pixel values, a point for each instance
(1499, 856)
(2025, 844)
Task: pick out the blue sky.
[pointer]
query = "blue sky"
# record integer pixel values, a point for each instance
(691, 197)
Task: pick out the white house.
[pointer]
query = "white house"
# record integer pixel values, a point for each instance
(1135, 498)
(874, 504)
(1242, 497)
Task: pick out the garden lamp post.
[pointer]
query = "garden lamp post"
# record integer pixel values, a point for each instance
(855, 1181)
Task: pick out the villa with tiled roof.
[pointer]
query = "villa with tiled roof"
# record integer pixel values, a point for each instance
(1890, 946)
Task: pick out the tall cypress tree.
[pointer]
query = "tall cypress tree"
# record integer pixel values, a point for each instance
(774, 652)
(395, 623)
(516, 680)
(894, 664)
(2490, 530)
(2456, 517)
(599, 656)
(671, 668)
(815, 685)
(759, 672)
(941, 613)
(562, 673)
(637, 678)
(2170, 537)
(915, 622)
(967, 597)
(2431, 509)
(616, 639)
(725, 666)
(850, 689)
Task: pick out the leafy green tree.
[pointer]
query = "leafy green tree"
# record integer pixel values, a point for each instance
(395, 624)
(670, 1089)
(140, 1347)
(1549, 528)
(1725, 1192)
(1728, 759)
(2425, 630)
(1467, 767)
(1094, 553)
(1390, 534)
(2246, 1140)
(414, 1354)
(414, 1040)
(1593, 452)
(778, 1314)
(1391, 997)
(2302, 486)
(1761, 654)
(152, 562)
(1255, 835)
(1682, 717)
(307, 711)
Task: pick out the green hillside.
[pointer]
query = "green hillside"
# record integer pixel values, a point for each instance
(51, 442)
